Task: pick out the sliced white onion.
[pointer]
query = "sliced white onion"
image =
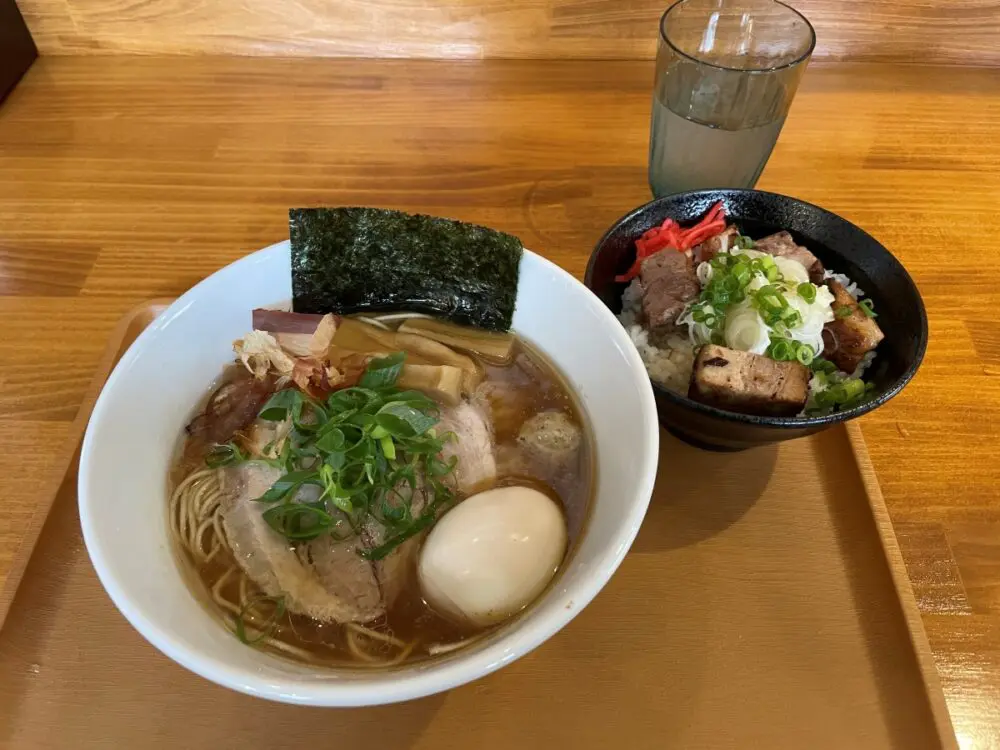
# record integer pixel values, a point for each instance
(747, 253)
(814, 316)
(704, 273)
(824, 300)
(745, 329)
(792, 270)
(698, 333)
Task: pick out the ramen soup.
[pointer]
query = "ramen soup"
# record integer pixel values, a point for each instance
(369, 490)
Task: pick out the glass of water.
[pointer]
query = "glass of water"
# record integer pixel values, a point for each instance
(726, 72)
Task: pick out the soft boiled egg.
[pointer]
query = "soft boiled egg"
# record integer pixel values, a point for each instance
(492, 555)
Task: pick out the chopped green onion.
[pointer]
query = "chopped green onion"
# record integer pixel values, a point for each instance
(743, 242)
(281, 404)
(845, 394)
(742, 273)
(868, 308)
(380, 552)
(225, 454)
(388, 447)
(807, 292)
(731, 282)
(298, 521)
(853, 388)
(781, 350)
(823, 365)
(267, 628)
(382, 372)
(789, 350)
(363, 446)
(773, 307)
(720, 298)
(843, 311)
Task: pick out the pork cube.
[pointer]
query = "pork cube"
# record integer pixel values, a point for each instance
(849, 338)
(748, 383)
(783, 245)
(713, 245)
(668, 284)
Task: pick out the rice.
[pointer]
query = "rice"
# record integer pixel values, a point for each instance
(864, 364)
(631, 304)
(851, 288)
(669, 365)
(670, 362)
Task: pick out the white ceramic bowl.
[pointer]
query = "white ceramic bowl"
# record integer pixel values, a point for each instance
(142, 410)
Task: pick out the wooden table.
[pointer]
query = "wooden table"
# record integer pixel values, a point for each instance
(123, 179)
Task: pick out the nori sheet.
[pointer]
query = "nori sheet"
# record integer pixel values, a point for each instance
(347, 260)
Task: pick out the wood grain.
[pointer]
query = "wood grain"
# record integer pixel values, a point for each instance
(125, 181)
(928, 31)
(834, 640)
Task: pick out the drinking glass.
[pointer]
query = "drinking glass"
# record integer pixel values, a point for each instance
(726, 73)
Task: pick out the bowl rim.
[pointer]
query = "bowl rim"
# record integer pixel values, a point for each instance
(395, 685)
(663, 392)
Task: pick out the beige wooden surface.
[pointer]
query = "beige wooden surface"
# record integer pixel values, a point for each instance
(124, 180)
(928, 31)
(721, 630)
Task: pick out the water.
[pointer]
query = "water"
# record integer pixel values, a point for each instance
(688, 155)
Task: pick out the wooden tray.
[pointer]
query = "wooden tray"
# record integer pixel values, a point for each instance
(763, 605)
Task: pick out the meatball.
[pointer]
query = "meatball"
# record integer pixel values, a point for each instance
(551, 437)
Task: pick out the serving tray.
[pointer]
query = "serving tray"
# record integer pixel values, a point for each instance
(764, 604)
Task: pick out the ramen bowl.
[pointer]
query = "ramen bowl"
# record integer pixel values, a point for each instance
(140, 416)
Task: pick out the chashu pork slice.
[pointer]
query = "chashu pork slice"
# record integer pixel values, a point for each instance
(396, 569)
(326, 580)
(473, 445)
(346, 577)
(711, 247)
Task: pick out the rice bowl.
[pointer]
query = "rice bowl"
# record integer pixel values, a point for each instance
(842, 247)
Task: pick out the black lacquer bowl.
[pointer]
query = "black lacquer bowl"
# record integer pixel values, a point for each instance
(841, 246)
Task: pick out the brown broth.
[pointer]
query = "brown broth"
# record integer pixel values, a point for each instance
(521, 389)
